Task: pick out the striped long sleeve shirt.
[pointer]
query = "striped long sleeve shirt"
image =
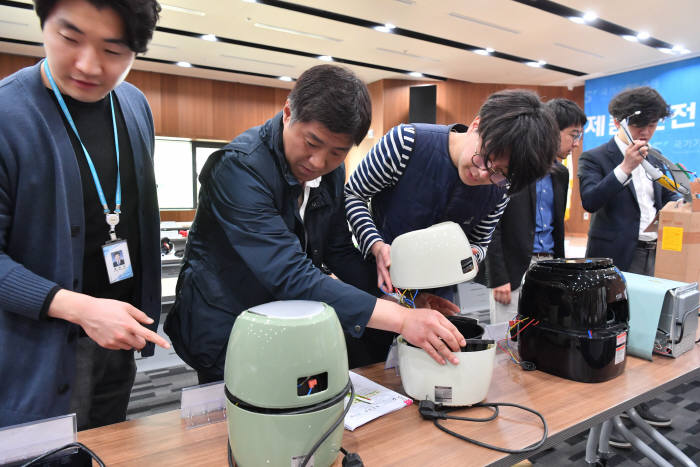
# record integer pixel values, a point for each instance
(382, 168)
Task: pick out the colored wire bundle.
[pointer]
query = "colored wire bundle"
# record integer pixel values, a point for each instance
(405, 297)
(507, 349)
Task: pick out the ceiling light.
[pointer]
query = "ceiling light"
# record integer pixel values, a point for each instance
(589, 16)
(295, 32)
(416, 74)
(482, 51)
(577, 19)
(388, 27)
(182, 10)
(251, 1)
(325, 58)
(643, 35)
(285, 78)
(537, 64)
(677, 48)
(630, 38)
(208, 37)
(665, 50)
(184, 64)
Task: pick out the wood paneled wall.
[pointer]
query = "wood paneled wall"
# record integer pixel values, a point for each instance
(217, 110)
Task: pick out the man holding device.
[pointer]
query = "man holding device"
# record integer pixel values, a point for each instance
(624, 201)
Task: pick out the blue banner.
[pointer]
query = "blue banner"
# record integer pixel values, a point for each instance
(677, 137)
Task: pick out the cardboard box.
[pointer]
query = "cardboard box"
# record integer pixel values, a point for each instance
(678, 247)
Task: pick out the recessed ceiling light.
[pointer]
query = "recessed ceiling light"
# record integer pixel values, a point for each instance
(680, 49)
(416, 74)
(537, 64)
(630, 38)
(577, 19)
(208, 37)
(285, 78)
(481, 52)
(643, 35)
(665, 50)
(325, 58)
(184, 64)
(182, 10)
(589, 16)
(382, 28)
(295, 32)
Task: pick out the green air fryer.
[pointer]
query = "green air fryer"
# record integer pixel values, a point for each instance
(286, 380)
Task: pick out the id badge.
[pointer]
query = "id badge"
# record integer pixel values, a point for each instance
(117, 260)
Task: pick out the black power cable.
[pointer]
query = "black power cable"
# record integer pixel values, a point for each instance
(432, 411)
(333, 427)
(78, 446)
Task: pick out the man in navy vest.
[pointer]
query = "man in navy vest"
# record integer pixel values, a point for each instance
(532, 226)
(421, 174)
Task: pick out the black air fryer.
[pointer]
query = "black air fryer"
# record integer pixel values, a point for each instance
(583, 314)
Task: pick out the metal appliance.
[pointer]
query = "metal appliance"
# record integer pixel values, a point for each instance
(580, 318)
(286, 378)
(678, 323)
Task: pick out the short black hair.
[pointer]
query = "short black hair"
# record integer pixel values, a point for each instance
(567, 113)
(335, 97)
(516, 123)
(139, 18)
(651, 106)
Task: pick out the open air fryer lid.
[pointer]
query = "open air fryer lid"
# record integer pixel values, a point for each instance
(573, 264)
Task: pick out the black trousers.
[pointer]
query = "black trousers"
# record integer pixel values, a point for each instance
(102, 386)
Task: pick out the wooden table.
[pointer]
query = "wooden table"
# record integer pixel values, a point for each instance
(403, 438)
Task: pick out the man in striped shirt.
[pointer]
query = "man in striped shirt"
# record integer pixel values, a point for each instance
(418, 175)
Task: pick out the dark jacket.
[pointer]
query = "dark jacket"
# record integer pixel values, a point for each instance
(248, 246)
(42, 232)
(614, 228)
(511, 247)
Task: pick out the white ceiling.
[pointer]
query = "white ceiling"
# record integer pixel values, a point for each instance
(504, 25)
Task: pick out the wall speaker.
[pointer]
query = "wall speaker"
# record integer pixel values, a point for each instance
(421, 107)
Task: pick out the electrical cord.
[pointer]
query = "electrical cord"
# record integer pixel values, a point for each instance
(333, 427)
(432, 411)
(78, 446)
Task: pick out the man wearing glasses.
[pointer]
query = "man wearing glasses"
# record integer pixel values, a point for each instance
(418, 175)
(532, 226)
(623, 200)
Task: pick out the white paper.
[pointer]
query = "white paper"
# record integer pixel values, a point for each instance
(381, 402)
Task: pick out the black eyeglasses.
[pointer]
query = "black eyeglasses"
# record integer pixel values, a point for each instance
(576, 135)
(496, 176)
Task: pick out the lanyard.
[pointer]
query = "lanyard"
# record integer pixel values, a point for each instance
(112, 219)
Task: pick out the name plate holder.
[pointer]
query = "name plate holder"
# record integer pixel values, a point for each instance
(29, 440)
(203, 405)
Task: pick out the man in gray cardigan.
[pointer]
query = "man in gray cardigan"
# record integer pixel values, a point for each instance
(57, 291)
